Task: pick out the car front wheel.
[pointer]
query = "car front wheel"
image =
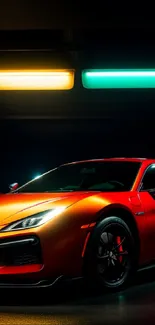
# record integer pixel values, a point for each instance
(111, 256)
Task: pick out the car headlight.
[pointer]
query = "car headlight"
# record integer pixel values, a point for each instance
(34, 220)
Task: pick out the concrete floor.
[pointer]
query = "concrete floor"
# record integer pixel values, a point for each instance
(69, 304)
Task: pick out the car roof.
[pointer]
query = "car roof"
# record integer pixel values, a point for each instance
(146, 161)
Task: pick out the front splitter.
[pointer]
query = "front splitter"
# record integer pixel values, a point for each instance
(40, 284)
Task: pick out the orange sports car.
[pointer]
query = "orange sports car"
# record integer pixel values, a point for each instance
(92, 219)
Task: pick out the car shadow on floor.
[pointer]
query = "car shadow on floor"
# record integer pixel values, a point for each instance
(75, 293)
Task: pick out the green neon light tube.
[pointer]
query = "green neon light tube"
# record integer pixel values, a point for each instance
(110, 79)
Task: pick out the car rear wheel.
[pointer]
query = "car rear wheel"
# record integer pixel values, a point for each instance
(111, 257)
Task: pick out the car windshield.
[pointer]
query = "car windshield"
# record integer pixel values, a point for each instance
(104, 176)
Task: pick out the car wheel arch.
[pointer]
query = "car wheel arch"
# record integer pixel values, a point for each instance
(123, 213)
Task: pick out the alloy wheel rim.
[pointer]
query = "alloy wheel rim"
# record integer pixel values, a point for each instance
(113, 256)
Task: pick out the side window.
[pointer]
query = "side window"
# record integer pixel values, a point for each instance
(148, 181)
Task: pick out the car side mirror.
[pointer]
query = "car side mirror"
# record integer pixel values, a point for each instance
(13, 187)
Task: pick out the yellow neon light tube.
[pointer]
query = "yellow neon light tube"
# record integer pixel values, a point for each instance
(36, 79)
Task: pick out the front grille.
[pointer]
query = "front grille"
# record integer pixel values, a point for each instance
(17, 252)
(26, 259)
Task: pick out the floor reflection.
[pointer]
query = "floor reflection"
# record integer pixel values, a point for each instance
(142, 291)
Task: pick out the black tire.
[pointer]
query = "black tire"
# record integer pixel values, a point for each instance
(103, 261)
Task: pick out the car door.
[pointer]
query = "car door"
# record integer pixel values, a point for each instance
(147, 196)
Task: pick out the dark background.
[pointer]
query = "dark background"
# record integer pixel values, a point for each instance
(39, 130)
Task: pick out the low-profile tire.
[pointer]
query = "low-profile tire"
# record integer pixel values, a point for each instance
(111, 256)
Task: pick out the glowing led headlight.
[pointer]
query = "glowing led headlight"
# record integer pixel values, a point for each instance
(34, 220)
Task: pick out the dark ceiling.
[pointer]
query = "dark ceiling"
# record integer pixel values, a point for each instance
(47, 14)
(78, 35)
(61, 126)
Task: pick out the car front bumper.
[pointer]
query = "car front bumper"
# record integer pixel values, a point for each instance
(35, 258)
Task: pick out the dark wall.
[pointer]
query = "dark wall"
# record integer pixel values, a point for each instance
(29, 147)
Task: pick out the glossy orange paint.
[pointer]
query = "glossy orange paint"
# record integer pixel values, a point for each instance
(64, 238)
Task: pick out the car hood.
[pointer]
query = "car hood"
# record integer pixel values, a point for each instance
(16, 206)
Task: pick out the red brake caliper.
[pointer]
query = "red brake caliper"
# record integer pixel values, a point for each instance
(120, 248)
